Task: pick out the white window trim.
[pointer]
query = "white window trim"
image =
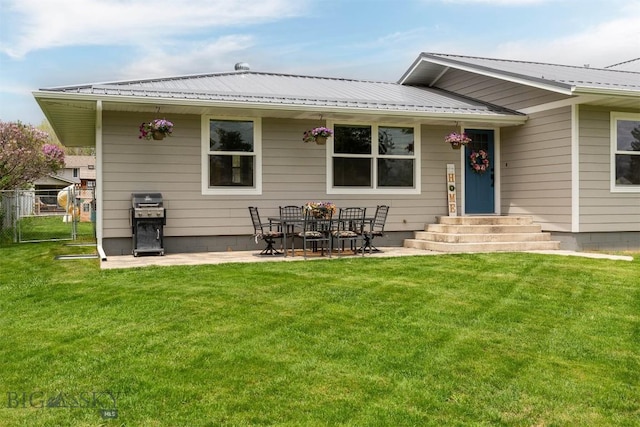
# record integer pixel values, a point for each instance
(615, 116)
(374, 131)
(257, 147)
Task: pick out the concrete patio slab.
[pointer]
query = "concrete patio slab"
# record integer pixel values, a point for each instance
(129, 261)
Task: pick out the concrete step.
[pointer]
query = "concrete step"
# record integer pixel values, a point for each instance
(489, 233)
(483, 229)
(481, 247)
(479, 237)
(485, 220)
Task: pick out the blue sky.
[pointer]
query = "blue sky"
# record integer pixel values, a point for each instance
(47, 43)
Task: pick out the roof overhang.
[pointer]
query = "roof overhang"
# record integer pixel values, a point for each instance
(428, 69)
(609, 97)
(72, 119)
(73, 116)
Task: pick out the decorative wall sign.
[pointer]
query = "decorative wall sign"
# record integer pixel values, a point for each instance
(451, 190)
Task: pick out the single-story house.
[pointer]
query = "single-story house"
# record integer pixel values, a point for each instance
(562, 142)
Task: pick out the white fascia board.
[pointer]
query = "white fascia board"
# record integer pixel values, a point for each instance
(604, 92)
(410, 71)
(562, 103)
(581, 96)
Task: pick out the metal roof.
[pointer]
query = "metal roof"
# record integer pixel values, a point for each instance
(257, 88)
(561, 78)
(71, 110)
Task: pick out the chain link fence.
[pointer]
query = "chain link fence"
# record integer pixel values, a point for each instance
(47, 215)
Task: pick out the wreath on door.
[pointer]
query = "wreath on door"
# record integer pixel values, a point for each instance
(479, 161)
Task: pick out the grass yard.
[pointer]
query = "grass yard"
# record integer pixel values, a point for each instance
(52, 228)
(457, 340)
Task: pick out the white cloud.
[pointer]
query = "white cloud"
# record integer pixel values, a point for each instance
(201, 57)
(36, 24)
(601, 45)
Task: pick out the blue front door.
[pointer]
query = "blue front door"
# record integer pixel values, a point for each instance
(478, 186)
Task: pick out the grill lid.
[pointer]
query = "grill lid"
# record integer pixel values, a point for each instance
(146, 200)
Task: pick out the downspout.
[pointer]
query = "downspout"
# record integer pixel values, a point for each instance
(99, 181)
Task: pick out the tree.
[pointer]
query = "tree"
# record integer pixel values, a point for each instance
(26, 155)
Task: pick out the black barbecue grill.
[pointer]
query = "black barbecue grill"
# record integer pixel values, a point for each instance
(147, 223)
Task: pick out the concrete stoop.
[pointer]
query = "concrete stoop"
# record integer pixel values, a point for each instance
(483, 234)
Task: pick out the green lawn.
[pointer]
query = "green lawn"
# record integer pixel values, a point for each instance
(459, 340)
(52, 228)
(46, 227)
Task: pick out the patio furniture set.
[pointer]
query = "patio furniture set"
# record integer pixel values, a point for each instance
(319, 228)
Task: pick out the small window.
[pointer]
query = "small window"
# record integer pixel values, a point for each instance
(75, 172)
(231, 162)
(625, 149)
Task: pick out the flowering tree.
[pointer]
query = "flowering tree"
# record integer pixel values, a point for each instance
(26, 155)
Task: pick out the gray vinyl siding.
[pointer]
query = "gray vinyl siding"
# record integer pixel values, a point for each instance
(293, 173)
(536, 169)
(495, 91)
(600, 209)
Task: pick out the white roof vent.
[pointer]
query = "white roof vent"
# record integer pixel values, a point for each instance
(241, 66)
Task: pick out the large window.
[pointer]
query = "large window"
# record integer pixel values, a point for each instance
(625, 149)
(386, 163)
(231, 156)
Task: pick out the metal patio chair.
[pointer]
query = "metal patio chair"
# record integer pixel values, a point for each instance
(349, 228)
(376, 228)
(290, 215)
(264, 232)
(316, 231)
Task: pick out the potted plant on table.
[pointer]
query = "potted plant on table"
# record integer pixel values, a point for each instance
(457, 140)
(323, 210)
(319, 135)
(156, 129)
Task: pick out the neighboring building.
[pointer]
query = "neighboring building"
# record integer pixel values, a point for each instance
(79, 171)
(563, 144)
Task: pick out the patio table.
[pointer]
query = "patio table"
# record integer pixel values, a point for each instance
(284, 223)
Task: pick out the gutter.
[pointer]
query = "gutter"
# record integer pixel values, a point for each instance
(621, 93)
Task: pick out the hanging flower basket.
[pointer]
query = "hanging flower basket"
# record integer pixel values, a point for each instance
(318, 135)
(155, 129)
(457, 140)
